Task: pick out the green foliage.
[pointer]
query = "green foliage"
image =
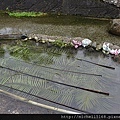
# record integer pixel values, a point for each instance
(61, 43)
(27, 14)
(23, 51)
(20, 52)
(1, 50)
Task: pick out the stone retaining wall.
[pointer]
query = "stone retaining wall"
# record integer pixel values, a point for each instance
(95, 8)
(114, 2)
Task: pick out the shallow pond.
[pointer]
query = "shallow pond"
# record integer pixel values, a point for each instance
(63, 78)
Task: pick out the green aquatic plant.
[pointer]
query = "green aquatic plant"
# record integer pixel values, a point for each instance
(23, 51)
(26, 14)
(2, 50)
(20, 52)
(61, 44)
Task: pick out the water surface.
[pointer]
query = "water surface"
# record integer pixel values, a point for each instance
(34, 71)
(70, 26)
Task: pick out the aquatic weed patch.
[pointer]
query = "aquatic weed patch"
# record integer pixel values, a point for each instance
(27, 14)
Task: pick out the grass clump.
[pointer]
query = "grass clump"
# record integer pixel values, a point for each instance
(26, 14)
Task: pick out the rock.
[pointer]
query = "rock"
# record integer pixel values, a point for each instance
(115, 27)
(114, 2)
(114, 47)
(105, 52)
(94, 44)
(50, 40)
(90, 49)
(24, 36)
(116, 58)
(99, 47)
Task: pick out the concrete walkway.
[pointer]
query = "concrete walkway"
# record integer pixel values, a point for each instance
(9, 105)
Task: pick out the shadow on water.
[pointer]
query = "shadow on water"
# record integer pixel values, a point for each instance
(35, 70)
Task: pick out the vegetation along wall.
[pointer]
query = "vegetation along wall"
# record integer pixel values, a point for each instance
(95, 8)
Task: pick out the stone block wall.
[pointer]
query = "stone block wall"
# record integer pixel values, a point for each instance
(114, 2)
(94, 8)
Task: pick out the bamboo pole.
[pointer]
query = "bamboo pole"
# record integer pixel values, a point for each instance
(96, 63)
(95, 91)
(62, 69)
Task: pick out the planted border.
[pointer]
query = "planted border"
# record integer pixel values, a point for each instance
(107, 48)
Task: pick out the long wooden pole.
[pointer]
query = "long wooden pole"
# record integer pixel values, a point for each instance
(95, 91)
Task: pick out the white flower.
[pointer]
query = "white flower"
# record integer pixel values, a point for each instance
(106, 47)
(119, 51)
(86, 42)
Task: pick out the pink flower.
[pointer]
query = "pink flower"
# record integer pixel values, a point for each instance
(119, 51)
(112, 51)
(76, 43)
(115, 52)
(79, 43)
(76, 46)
